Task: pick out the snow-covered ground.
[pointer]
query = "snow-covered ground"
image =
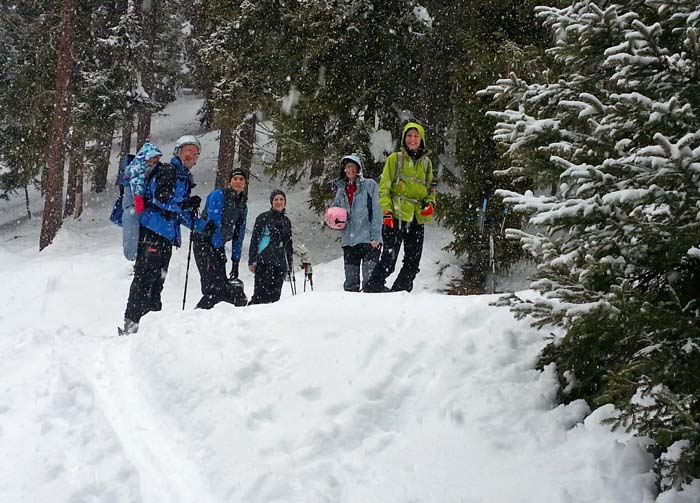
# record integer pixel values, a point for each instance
(325, 396)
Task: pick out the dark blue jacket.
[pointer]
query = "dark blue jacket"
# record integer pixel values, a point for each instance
(228, 211)
(168, 187)
(271, 242)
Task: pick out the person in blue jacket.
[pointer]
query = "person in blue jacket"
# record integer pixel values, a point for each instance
(225, 213)
(168, 204)
(362, 235)
(270, 253)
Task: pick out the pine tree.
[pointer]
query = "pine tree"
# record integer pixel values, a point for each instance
(246, 51)
(616, 131)
(27, 76)
(478, 41)
(53, 207)
(359, 73)
(159, 60)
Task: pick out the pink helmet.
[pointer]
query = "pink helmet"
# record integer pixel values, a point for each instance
(336, 218)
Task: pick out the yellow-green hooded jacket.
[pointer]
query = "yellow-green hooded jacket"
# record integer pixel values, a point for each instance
(406, 199)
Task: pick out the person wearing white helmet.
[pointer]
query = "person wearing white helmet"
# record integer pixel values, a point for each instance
(168, 204)
(187, 139)
(362, 234)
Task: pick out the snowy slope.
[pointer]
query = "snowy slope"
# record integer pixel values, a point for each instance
(323, 397)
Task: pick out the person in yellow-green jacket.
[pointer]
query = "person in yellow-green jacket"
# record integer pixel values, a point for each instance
(407, 199)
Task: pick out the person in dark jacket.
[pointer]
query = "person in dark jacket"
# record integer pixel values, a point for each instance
(270, 253)
(168, 204)
(225, 213)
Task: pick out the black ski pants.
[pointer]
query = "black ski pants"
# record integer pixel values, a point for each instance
(269, 280)
(211, 263)
(152, 261)
(411, 235)
(360, 257)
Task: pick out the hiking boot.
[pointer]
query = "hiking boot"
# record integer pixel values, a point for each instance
(130, 327)
(375, 289)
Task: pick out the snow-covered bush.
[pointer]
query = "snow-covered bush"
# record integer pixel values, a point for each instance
(614, 130)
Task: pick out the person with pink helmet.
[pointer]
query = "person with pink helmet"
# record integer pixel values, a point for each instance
(357, 198)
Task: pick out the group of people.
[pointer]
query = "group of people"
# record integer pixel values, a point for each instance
(381, 217)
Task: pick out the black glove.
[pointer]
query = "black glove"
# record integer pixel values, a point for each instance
(234, 270)
(192, 203)
(209, 229)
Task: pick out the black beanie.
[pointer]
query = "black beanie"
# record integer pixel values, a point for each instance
(277, 192)
(239, 171)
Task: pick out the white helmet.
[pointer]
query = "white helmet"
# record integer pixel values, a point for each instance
(187, 139)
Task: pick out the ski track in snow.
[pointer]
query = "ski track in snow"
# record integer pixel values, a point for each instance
(152, 443)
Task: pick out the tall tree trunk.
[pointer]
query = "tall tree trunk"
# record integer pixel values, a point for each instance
(26, 200)
(316, 168)
(75, 170)
(227, 149)
(143, 128)
(79, 177)
(52, 217)
(127, 131)
(149, 17)
(102, 160)
(247, 142)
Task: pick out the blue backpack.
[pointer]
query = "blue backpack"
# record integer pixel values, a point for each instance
(115, 215)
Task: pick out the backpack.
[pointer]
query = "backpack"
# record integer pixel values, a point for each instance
(115, 216)
(117, 212)
(399, 167)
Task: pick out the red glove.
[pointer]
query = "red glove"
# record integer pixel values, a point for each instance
(428, 210)
(388, 220)
(139, 204)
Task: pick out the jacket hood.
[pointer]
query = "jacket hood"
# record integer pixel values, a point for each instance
(354, 158)
(148, 151)
(421, 132)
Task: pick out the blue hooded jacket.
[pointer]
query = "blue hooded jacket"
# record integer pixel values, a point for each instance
(228, 211)
(360, 228)
(167, 189)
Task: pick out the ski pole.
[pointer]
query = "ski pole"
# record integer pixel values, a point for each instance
(291, 285)
(308, 276)
(505, 215)
(492, 260)
(290, 275)
(483, 216)
(187, 273)
(189, 258)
